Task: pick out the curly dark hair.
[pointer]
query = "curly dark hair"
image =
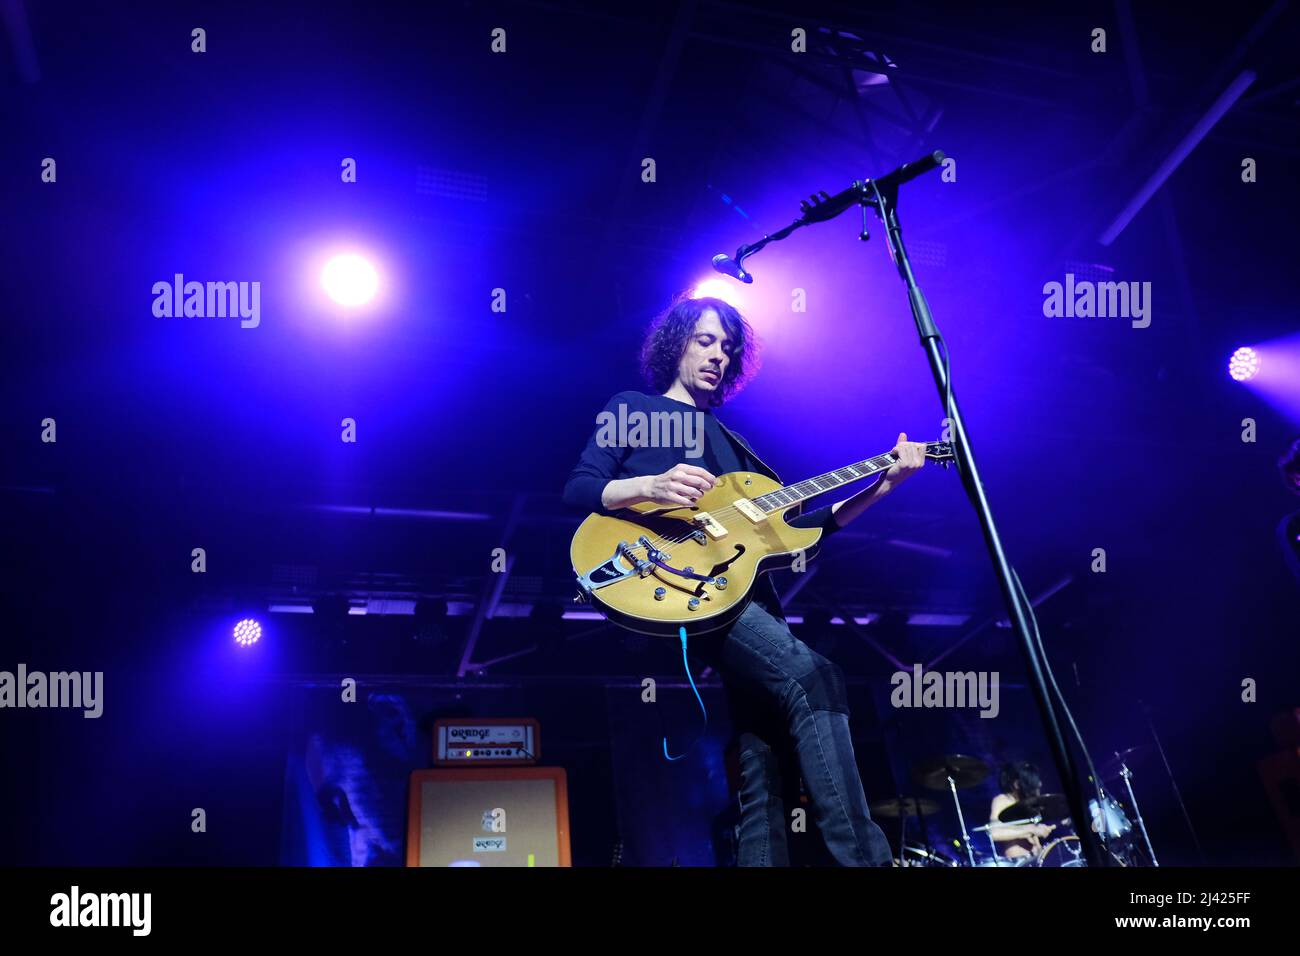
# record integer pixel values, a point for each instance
(666, 338)
(1020, 780)
(1288, 466)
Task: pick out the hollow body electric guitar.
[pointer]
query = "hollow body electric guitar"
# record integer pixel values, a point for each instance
(653, 568)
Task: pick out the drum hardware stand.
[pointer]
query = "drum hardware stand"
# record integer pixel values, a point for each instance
(993, 844)
(902, 832)
(1127, 774)
(988, 828)
(925, 830)
(961, 820)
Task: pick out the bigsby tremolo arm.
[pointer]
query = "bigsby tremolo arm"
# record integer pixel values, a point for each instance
(612, 570)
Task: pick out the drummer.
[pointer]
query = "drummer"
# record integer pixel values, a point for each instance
(1022, 842)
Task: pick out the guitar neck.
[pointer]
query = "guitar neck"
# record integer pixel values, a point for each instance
(783, 498)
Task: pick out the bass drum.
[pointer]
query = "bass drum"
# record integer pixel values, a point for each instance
(1068, 851)
(1063, 851)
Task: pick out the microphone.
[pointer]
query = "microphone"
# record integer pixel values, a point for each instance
(730, 267)
(909, 171)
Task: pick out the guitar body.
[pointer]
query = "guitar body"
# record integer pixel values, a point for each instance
(731, 546)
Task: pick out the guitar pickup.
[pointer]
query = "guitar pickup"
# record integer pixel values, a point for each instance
(750, 510)
(710, 525)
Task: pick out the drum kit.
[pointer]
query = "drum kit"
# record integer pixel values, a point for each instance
(1125, 842)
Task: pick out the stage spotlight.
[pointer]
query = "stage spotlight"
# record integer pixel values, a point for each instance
(717, 289)
(349, 280)
(247, 632)
(1244, 364)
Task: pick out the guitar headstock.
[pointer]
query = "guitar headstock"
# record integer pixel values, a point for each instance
(940, 451)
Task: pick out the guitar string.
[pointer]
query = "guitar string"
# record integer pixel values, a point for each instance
(661, 540)
(886, 460)
(876, 469)
(879, 463)
(729, 509)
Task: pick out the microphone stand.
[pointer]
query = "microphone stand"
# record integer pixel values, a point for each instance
(882, 195)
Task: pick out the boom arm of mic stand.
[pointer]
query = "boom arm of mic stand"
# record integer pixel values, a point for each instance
(744, 252)
(817, 208)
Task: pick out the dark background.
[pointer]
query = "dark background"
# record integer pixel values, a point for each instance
(522, 172)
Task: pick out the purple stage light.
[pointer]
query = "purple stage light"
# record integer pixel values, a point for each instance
(1244, 364)
(718, 289)
(350, 280)
(247, 632)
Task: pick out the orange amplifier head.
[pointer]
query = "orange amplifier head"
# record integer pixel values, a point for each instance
(486, 741)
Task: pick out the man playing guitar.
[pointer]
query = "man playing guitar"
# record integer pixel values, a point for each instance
(782, 695)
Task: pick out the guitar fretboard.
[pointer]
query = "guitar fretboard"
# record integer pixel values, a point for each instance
(800, 491)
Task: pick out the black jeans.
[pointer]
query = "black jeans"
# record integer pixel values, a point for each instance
(783, 694)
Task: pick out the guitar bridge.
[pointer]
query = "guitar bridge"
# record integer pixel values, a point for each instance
(612, 570)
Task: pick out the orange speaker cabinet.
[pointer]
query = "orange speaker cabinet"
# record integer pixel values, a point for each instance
(451, 817)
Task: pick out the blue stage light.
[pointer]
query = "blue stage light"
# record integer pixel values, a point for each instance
(1244, 364)
(247, 632)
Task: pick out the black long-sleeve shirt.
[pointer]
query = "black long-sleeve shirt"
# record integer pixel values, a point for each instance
(722, 451)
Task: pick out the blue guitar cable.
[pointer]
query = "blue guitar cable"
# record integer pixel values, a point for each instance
(687, 664)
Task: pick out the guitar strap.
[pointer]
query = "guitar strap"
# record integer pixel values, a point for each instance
(743, 447)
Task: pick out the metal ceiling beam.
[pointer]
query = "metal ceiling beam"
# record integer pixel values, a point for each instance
(490, 595)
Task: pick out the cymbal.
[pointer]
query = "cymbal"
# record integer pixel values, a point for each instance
(1002, 823)
(1110, 770)
(905, 806)
(1050, 806)
(965, 771)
